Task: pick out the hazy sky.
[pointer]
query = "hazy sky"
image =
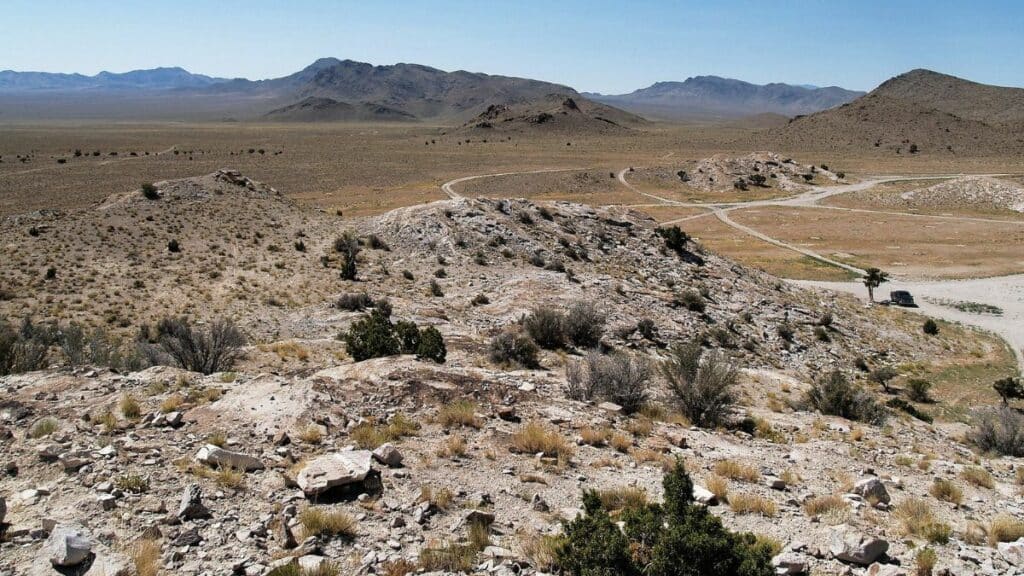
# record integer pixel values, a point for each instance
(592, 45)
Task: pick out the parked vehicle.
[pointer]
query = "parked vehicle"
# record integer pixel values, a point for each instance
(902, 298)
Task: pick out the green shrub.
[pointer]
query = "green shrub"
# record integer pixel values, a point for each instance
(701, 384)
(372, 336)
(836, 396)
(354, 302)
(678, 538)
(348, 246)
(206, 351)
(512, 347)
(692, 301)
(620, 377)
(1001, 432)
(22, 351)
(917, 390)
(408, 336)
(930, 327)
(431, 345)
(150, 192)
(546, 326)
(584, 324)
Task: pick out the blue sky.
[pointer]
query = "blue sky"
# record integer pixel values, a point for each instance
(593, 45)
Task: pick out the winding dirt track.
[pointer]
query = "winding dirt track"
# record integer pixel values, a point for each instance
(1006, 292)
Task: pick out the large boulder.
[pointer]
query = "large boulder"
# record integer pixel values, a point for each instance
(702, 495)
(334, 470)
(872, 489)
(66, 546)
(217, 456)
(849, 545)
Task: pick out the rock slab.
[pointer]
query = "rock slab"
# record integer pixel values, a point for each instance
(66, 546)
(334, 470)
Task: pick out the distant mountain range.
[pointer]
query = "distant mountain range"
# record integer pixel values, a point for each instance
(154, 79)
(919, 112)
(713, 97)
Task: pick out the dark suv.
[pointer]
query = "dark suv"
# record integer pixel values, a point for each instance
(902, 298)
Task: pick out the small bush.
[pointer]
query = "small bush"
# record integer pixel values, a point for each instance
(480, 300)
(620, 378)
(834, 395)
(917, 390)
(130, 407)
(514, 348)
(930, 327)
(173, 246)
(132, 483)
(924, 562)
(701, 384)
(656, 537)
(431, 346)
(692, 301)
(206, 351)
(546, 326)
(150, 192)
(354, 302)
(833, 508)
(435, 289)
(372, 336)
(348, 246)
(21, 351)
(1001, 432)
(43, 427)
(584, 324)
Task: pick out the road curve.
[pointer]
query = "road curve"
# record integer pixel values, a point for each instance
(448, 189)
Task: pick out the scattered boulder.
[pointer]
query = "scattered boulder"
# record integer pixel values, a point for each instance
(877, 569)
(849, 545)
(702, 495)
(790, 563)
(388, 455)
(192, 506)
(217, 456)
(872, 490)
(334, 470)
(66, 547)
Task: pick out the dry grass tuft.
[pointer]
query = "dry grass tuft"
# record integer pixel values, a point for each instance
(978, 476)
(537, 438)
(735, 471)
(718, 486)
(1004, 528)
(172, 403)
(620, 442)
(595, 436)
(453, 447)
(145, 556)
(459, 413)
(832, 509)
(916, 518)
(130, 407)
(541, 550)
(323, 521)
(752, 504)
(441, 499)
(947, 491)
(616, 500)
(311, 434)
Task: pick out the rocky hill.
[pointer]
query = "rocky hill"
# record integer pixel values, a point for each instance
(299, 457)
(555, 113)
(917, 112)
(713, 97)
(314, 109)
